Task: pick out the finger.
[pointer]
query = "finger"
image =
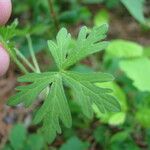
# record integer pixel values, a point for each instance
(4, 61)
(5, 11)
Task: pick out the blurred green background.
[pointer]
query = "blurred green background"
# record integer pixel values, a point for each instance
(127, 57)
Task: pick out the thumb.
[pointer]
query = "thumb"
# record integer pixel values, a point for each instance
(5, 11)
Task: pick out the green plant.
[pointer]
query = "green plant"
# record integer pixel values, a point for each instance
(75, 143)
(7, 34)
(132, 62)
(137, 11)
(67, 52)
(127, 61)
(20, 139)
(101, 17)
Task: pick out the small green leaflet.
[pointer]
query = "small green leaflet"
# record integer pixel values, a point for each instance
(55, 108)
(16, 141)
(124, 49)
(10, 31)
(66, 52)
(74, 143)
(138, 70)
(136, 9)
(90, 93)
(27, 94)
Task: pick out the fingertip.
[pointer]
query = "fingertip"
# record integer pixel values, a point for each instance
(5, 11)
(4, 61)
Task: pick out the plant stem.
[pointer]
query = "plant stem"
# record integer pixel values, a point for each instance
(25, 60)
(14, 58)
(53, 14)
(21, 66)
(33, 54)
(18, 63)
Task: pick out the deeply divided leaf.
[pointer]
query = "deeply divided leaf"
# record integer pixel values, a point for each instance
(54, 110)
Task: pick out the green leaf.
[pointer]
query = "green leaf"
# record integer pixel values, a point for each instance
(136, 9)
(34, 142)
(147, 51)
(91, 94)
(100, 134)
(120, 136)
(143, 116)
(29, 93)
(10, 31)
(91, 77)
(74, 143)
(102, 17)
(17, 136)
(34, 77)
(113, 118)
(55, 107)
(87, 43)
(138, 70)
(124, 49)
(59, 49)
(117, 119)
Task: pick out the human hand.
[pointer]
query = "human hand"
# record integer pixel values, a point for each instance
(4, 61)
(5, 12)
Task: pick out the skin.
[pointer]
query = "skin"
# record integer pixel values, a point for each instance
(5, 13)
(4, 61)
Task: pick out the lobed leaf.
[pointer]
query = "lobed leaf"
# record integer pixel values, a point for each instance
(88, 94)
(55, 109)
(66, 54)
(29, 93)
(87, 44)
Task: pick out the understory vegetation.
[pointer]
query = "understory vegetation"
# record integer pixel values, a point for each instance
(78, 76)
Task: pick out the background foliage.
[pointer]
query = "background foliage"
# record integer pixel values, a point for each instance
(127, 57)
